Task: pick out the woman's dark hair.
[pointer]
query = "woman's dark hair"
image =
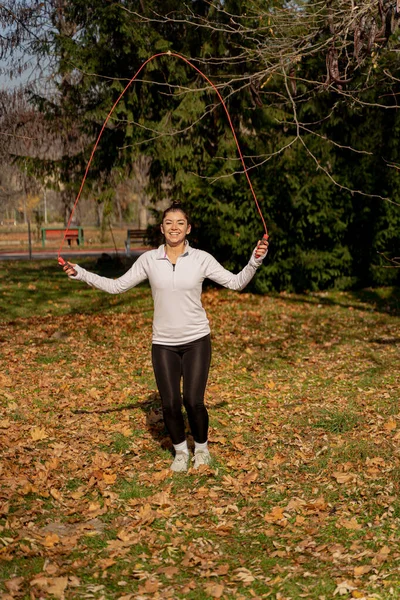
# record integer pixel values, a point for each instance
(175, 206)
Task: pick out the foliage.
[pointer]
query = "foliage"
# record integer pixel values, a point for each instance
(303, 495)
(312, 97)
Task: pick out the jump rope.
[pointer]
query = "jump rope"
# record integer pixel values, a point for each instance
(61, 261)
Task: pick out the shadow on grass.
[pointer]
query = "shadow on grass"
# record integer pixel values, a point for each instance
(383, 300)
(156, 426)
(39, 289)
(85, 411)
(155, 421)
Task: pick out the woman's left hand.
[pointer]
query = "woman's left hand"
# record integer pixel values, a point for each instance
(261, 248)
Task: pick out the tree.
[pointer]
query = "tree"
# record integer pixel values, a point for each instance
(296, 76)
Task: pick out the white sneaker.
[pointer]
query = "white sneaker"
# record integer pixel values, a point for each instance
(181, 462)
(201, 458)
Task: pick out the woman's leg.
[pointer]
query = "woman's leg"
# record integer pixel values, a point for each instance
(195, 367)
(167, 365)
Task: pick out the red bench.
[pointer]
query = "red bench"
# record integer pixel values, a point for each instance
(57, 233)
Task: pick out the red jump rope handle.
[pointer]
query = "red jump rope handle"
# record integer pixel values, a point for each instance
(264, 239)
(63, 262)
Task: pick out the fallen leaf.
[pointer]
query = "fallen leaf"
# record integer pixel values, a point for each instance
(109, 478)
(362, 570)
(390, 425)
(343, 477)
(51, 540)
(350, 524)
(57, 586)
(169, 572)
(38, 433)
(382, 555)
(215, 590)
(275, 515)
(344, 588)
(243, 575)
(56, 495)
(14, 585)
(94, 393)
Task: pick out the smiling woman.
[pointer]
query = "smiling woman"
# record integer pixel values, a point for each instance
(175, 227)
(181, 348)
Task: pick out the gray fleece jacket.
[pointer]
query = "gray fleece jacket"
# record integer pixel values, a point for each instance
(179, 316)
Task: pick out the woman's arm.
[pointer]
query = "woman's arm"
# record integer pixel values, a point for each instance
(134, 276)
(219, 274)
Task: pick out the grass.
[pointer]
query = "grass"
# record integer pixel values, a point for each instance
(303, 491)
(337, 421)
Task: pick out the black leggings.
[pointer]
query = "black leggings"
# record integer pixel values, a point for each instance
(191, 362)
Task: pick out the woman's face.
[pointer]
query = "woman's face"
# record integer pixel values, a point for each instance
(175, 227)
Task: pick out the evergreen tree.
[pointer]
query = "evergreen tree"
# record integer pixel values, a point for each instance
(294, 120)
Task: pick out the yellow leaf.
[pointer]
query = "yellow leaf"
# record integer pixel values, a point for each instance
(276, 514)
(271, 385)
(126, 431)
(219, 439)
(77, 495)
(277, 459)
(109, 477)
(361, 570)
(38, 433)
(28, 488)
(357, 594)
(51, 540)
(390, 425)
(5, 424)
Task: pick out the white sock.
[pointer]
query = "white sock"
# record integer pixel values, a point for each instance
(200, 447)
(182, 447)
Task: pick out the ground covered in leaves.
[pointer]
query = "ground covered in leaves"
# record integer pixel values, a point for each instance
(302, 500)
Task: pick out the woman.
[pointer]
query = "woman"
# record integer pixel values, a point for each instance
(181, 346)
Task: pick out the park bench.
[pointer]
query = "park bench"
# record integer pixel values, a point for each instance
(57, 233)
(134, 236)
